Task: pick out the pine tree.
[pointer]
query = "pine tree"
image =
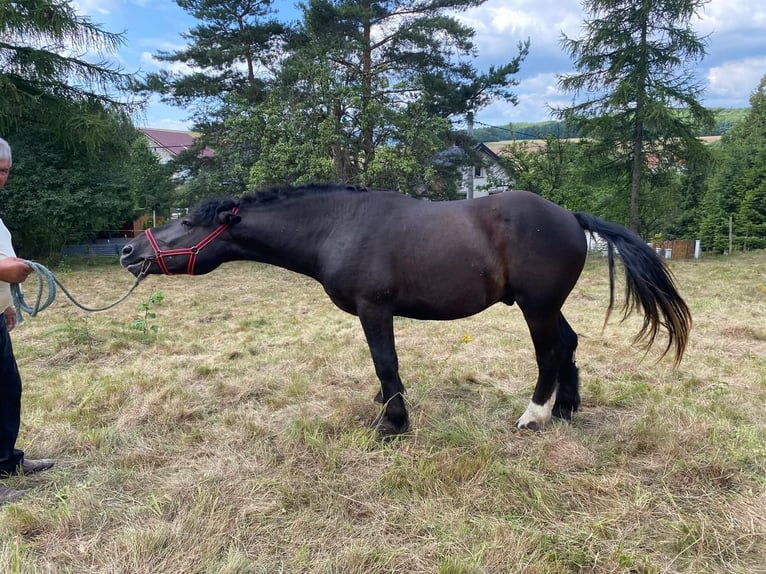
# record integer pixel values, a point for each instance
(230, 54)
(380, 69)
(634, 63)
(751, 181)
(737, 188)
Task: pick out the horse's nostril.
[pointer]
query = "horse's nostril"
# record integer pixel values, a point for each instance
(127, 250)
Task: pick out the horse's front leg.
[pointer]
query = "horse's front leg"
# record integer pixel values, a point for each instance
(378, 325)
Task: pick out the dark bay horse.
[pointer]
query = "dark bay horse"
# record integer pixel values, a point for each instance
(380, 254)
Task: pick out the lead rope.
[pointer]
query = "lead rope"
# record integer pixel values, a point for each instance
(46, 279)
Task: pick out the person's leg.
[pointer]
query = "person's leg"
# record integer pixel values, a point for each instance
(10, 404)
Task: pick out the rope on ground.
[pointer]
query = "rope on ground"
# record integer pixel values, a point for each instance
(46, 282)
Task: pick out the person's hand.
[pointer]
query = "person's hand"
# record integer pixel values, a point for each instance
(14, 270)
(10, 318)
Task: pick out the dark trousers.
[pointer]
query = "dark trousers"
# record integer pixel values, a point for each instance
(10, 403)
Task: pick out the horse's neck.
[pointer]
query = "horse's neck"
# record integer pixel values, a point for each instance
(291, 235)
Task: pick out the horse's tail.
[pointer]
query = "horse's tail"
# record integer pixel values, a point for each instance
(649, 285)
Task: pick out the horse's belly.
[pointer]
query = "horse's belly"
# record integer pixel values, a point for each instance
(438, 305)
(426, 313)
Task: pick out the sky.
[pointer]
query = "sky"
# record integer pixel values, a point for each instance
(730, 72)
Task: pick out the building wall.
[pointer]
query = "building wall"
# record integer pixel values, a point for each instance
(491, 180)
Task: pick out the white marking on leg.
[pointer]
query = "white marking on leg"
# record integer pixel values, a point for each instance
(538, 414)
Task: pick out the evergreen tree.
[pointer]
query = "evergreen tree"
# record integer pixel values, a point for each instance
(150, 182)
(230, 54)
(737, 187)
(634, 63)
(42, 81)
(377, 74)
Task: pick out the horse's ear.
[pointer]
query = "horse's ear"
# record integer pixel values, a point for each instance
(228, 218)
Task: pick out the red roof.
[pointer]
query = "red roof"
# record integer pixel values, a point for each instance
(172, 141)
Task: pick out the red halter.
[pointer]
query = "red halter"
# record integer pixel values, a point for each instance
(160, 254)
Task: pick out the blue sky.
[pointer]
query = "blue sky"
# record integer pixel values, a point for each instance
(734, 64)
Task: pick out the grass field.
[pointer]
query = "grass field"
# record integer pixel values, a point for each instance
(223, 429)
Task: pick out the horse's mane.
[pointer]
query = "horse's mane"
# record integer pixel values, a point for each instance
(206, 211)
(276, 194)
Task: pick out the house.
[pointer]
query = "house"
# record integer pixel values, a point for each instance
(167, 144)
(487, 176)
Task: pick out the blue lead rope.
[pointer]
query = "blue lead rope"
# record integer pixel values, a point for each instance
(47, 281)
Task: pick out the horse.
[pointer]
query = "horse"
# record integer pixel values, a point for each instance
(380, 254)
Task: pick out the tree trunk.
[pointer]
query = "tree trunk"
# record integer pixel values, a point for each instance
(635, 180)
(339, 151)
(638, 132)
(367, 123)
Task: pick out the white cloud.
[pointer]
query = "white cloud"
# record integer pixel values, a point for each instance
(500, 24)
(96, 8)
(735, 63)
(720, 16)
(159, 122)
(536, 96)
(150, 63)
(736, 79)
(159, 115)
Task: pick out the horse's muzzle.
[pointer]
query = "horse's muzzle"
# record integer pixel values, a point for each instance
(130, 261)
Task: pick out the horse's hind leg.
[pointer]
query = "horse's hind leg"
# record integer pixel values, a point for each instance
(544, 329)
(567, 394)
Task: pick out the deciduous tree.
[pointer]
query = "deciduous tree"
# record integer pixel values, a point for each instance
(59, 194)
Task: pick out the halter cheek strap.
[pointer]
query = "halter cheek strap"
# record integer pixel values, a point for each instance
(160, 254)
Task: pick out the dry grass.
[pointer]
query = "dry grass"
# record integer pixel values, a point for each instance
(235, 439)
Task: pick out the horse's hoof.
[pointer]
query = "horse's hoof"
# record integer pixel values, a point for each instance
(388, 428)
(564, 412)
(531, 425)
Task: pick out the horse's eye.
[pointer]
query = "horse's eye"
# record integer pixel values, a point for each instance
(186, 224)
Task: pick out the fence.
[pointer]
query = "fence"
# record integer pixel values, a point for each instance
(99, 249)
(678, 249)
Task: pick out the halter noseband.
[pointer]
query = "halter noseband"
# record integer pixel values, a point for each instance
(160, 254)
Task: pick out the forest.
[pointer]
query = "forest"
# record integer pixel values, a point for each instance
(373, 94)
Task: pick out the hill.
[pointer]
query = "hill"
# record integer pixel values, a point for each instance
(725, 118)
(534, 144)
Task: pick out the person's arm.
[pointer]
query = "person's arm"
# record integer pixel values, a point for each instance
(14, 270)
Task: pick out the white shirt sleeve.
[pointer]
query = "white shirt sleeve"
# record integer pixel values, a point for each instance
(6, 250)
